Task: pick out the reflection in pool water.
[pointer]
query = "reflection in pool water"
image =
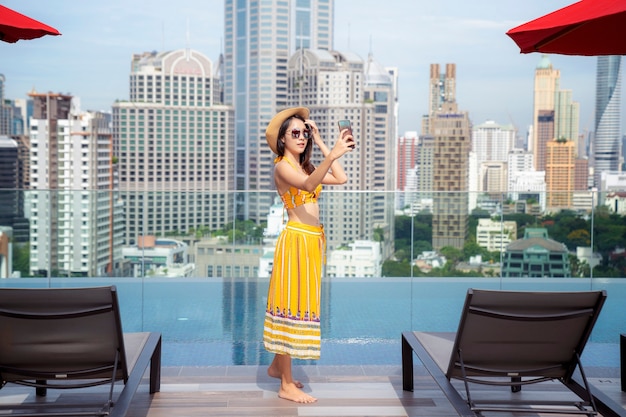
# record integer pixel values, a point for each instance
(206, 322)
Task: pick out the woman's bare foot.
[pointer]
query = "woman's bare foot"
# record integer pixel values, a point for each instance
(275, 373)
(292, 393)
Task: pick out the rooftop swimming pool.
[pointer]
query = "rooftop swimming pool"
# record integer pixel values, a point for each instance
(206, 322)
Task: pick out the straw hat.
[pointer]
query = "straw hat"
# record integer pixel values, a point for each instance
(271, 133)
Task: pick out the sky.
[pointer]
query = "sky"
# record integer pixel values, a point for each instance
(91, 59)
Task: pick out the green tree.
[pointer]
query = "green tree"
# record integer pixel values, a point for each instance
(578, 237)
(21, 259)
(396, 269)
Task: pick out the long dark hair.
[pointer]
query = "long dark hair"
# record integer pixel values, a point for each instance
(305, 157)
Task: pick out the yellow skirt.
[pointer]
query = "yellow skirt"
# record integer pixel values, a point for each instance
(292, 316)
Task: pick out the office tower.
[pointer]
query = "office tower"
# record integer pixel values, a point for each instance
(5, 111)
(8, 181)
(79, 225)
(546, 86)
(13, 161)
(441, 89)
(451, 132)
(581, 174)
(424, 165)
(544, 133)
(173, 140)
(566, 117)
(335, 86)
(518, 160)
(493, 179)
(407, 157)
(560, 173)
(258, 41)
(451, 129)
(492, 142)
(606, 143)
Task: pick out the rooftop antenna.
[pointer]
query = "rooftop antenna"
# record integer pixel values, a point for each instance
(349, 24)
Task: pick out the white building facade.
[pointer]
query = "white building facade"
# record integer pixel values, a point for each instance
(77, 227)
(336, 85)
(174, 142)
(362, 259)
(495, 236)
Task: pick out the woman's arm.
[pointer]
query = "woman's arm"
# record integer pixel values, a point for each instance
(286, 175)
(336, 174)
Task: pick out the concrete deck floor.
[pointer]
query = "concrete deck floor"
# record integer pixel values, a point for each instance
(341, 391)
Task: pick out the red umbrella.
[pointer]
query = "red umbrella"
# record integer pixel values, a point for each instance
(15, 26)
(588, 27)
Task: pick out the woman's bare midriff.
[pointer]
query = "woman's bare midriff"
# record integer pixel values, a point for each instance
(307, 213)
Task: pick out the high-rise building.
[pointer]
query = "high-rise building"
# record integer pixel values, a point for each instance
(566, 117)
(13, 187)
(12, 121)
(258, 41)
(518, 160)
(79, 216)
(544, 133)
(450, 130)
(424, 166)
(334, 86)
(493, 178)
(492, 142)
(607, 141)
(581, 174)
(5, 111)
(407, 157)
(173, 140)
(452, 139)
(560, 173)
(441, 89)
(546, 86)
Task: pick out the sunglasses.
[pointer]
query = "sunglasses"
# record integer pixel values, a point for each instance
(295, 133)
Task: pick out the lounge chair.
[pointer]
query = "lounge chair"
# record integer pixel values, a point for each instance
(511, 339)
(66, 338)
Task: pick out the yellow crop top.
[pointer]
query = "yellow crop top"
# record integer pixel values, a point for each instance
(295, 197)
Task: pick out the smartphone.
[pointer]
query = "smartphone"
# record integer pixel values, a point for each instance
(345, 124)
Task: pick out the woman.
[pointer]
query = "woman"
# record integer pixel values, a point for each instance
(292, 318)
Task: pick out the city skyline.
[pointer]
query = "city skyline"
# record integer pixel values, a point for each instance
(90, 58)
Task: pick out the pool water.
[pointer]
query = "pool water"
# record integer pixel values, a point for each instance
(219, 322)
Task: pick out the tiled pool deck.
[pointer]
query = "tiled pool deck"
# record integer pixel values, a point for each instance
(351, 390)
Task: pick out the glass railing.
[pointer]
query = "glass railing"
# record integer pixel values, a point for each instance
(195, 266)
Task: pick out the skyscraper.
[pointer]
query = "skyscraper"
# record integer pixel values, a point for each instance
(12, 187)
(566, 117)
(450, 131)
(544, 133)
(79, 226)
(441, 89)
(337, 85)
(407, 157)
(452, 138)
(607, 141)
(560, 173)
(173, 141)
(546, 86)
(259, 38)
(492, 142)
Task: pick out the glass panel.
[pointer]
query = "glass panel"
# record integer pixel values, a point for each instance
(195, 266)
